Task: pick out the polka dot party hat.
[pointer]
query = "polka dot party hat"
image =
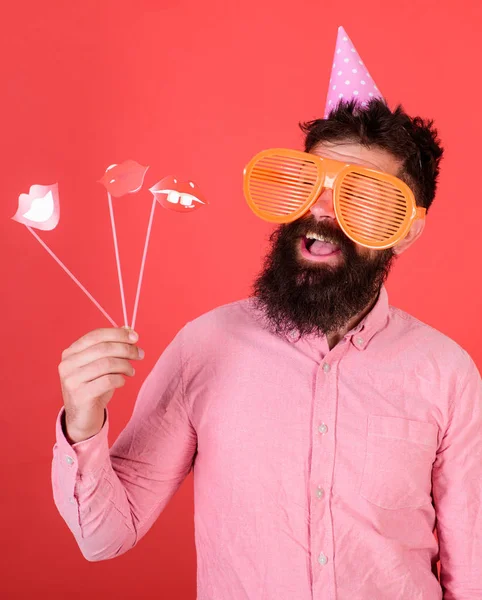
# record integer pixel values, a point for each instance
(349, 76)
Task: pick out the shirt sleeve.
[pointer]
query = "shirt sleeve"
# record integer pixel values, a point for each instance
(110, 498)
(457, 492)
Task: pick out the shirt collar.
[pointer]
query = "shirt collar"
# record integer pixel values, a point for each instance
(371, 324)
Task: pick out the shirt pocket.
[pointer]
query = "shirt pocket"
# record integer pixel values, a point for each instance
(399, 455)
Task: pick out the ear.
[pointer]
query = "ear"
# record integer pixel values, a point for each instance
(414, 233)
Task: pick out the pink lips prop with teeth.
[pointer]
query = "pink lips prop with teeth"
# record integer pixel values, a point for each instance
(39, 208)
(184, 197)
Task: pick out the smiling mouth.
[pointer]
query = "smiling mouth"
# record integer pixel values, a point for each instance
(316, 250)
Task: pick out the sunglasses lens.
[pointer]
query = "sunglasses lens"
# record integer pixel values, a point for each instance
(373, 211)
(279, 187)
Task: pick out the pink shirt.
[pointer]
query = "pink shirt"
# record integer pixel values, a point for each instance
(318, 474)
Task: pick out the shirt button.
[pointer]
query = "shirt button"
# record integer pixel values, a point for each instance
(359, 341)
(326, 367)
(322, 428)
(319, 493)
(322, 559)
(71, 500)
(69, 460)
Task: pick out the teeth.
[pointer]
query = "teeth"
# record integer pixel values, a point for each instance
(315, 236)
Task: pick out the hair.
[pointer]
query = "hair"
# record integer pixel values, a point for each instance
(414, 141)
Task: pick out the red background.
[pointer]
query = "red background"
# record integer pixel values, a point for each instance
(191, 89)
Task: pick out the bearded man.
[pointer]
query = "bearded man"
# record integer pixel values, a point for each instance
(330, 434)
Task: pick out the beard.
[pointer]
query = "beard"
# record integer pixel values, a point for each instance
(296, 295)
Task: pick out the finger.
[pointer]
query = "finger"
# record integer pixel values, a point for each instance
(102, 366)
(102, 385)
(102, 350)
(108, 334)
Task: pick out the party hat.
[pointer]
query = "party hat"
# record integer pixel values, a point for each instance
(349, 76)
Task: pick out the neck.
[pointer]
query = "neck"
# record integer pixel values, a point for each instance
(336, 336)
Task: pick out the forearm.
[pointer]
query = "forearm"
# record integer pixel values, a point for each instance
(92, 501)
(110, 498)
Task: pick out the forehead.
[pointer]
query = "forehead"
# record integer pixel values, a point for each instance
(374, 158)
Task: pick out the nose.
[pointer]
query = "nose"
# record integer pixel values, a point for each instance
(323, 207)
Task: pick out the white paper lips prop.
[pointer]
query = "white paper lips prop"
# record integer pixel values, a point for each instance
(39, 208)
(184, 197)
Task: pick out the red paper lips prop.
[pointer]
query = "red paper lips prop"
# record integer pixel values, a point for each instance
(126, 178)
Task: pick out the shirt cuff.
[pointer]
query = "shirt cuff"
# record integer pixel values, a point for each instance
(87, 456)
